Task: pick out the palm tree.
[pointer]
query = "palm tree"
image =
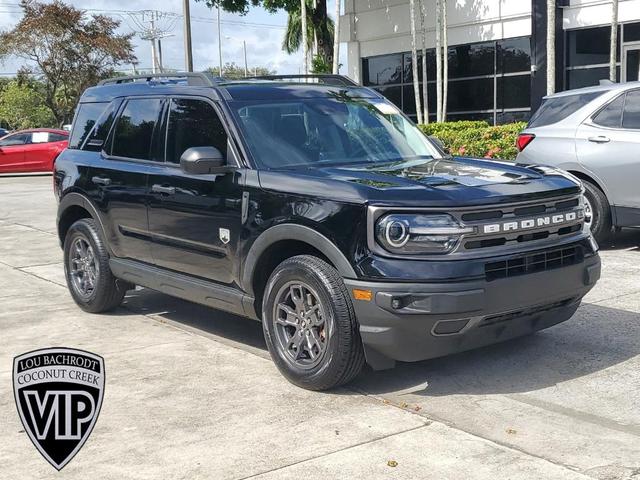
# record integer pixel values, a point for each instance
(336, 40)
(317, 36)
(551, 47)
(414, 60)
(438, 60)
(303, 29)
(614, 41)
(425, 92)
(445, 60)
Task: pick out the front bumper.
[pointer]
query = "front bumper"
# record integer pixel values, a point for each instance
(416, 321)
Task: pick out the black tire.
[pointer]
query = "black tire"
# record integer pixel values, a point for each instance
(107, 292)
(342, 355)
(601, 211)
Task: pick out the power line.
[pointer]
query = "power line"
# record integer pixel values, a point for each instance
(164, 12)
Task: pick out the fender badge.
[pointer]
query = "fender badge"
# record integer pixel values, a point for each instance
(225, 235)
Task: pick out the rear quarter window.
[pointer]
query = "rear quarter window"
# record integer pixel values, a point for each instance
(556, 109)
(86, 117)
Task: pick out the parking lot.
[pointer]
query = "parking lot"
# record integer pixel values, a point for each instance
(191, 392)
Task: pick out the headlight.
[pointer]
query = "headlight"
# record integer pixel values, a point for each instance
(414, 234)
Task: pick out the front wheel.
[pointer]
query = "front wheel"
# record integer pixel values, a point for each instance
(310, 326)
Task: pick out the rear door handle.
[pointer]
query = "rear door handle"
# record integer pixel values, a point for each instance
(163, 189)
(101, 180)
(599, 139)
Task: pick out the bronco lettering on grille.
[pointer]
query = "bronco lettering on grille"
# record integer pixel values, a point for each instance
(543, 221)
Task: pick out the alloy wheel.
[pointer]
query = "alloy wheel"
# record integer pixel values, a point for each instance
(301, 325)
(588, 213)
(83, 267)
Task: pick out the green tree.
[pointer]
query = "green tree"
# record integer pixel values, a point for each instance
(236, 72)
(22, 106)
(68, 50)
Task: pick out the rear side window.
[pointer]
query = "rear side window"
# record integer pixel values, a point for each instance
(98, 137)
(631, 117)
(134, 131)
(556, 109)
(57, 137)
(193, 123)
(611, 115)
(86, 117)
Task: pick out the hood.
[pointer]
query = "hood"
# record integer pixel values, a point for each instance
(451, 181)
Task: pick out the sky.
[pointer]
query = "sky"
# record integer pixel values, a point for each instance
(262, 31)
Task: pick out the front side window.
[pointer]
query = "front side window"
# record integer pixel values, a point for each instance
(631, 116)
(133, 137)
(14, 140)
(611, 115)
(555, 109)
(330, 131)
(193, 123)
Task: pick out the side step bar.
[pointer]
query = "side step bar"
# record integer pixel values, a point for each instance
(183, 286)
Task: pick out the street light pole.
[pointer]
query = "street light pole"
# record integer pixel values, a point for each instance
(246, 68)
(188, 52)
(219, 42)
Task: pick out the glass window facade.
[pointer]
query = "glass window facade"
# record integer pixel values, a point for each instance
(487, 81)
(587, 55)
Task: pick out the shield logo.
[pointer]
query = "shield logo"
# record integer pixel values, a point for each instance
(225, 235)
(58, 393)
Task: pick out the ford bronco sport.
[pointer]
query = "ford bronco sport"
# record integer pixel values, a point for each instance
(316, 207)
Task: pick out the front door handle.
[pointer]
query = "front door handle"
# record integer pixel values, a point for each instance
(101, 180)
(599, 139)
(163, 189)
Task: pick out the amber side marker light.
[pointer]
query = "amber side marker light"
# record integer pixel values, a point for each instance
(365, 295)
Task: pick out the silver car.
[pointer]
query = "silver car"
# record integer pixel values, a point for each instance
(593, 133)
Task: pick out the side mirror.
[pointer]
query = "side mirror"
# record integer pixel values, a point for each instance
(203, 160)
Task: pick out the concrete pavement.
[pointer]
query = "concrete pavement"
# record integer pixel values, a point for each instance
(191, 393)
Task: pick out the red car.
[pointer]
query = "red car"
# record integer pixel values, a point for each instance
(31, 150)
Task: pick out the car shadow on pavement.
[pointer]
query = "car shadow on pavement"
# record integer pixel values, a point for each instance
(202, 319)
(595, 339)
(627, 239)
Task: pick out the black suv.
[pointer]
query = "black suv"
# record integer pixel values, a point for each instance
(316, 207)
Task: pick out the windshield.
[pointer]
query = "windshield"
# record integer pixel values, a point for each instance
(330, 131)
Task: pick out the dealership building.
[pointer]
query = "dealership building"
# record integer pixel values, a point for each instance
(497, 51)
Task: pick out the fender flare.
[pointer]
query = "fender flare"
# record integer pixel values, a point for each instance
(77, 199)
(292, 231)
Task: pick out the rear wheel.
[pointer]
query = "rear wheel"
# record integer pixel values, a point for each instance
(86, 267)
(597, 211)
(310, 326)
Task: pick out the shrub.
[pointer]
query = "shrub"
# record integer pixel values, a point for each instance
(477, 138)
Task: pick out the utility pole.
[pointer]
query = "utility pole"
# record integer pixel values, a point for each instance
(188, 51)
(219, 42)
(154, 25)
(160, 56)
(154, 57)
(246, 67)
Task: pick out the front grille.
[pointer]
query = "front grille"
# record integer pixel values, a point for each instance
(533, 262)
(518, 213)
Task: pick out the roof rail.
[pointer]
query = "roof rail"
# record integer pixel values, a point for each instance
(323, 78)
(197, 79)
